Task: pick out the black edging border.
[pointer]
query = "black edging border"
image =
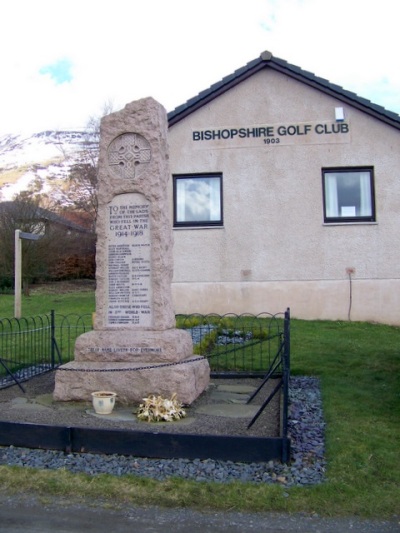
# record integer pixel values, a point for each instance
(152, 445)
(143, 444)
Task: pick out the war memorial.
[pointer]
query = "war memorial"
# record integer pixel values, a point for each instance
(134, 348)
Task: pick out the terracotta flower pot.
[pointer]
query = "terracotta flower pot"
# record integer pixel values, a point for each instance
(103, 402)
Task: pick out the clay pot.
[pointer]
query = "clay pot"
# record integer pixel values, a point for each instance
(103, 402)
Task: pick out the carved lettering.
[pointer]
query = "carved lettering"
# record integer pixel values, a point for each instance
(129, 262)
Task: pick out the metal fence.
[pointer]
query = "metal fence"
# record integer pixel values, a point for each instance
(26, 348)
(235, 345)
(66, 330)
(35, 345)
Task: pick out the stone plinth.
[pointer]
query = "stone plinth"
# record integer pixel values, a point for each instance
(171, 345)
(134, 326)
(132, 381)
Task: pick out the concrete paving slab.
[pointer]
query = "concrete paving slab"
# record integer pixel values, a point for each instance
(24, 404)
(229, 397)
(236, 389)
(129, 415)
(229, 410)
(229, 401)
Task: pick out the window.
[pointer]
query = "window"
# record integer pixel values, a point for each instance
(348, 195)
(198, 200)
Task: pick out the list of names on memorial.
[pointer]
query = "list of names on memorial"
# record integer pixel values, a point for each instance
(129, 261)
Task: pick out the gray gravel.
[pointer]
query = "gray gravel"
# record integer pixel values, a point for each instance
(306, 430)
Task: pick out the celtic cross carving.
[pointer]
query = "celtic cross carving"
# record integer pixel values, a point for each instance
(128, 155)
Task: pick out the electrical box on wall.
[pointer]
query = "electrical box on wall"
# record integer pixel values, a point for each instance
(339, 114)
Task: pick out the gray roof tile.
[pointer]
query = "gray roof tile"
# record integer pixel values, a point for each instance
(267, 60)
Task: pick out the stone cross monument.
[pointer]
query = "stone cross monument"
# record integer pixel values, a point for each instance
(135, 349)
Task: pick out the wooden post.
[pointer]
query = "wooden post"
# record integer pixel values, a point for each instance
(17, 274)
(19, 235)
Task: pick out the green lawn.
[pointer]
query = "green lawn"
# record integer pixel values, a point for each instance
(359, 368)
(38, 304)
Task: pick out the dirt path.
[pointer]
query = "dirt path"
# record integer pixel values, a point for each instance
(20, 514)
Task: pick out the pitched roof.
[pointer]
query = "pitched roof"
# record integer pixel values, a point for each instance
(268, 61)
(38, 213)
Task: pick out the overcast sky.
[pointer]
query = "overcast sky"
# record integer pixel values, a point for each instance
(62, 60)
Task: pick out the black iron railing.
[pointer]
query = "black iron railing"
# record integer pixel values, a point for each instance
(247, 346)
(34, 345)
(235, 346)
(25, 348)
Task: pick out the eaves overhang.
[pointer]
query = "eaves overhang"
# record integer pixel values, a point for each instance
(268, 61)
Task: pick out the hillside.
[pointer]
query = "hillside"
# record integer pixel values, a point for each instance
(42, 161)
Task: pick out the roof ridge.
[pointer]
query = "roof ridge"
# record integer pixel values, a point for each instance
(47, 214)
(267, 60)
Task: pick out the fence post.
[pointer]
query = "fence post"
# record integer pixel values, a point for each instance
(53, 337)
(286, 376)
(286, 330)
(17, 274)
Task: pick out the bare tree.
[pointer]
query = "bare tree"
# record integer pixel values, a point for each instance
(83, 175)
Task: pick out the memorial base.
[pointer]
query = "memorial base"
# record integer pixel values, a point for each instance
(132, 382)
(124, 345)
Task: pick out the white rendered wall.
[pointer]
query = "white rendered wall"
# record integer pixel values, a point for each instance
(274, 250)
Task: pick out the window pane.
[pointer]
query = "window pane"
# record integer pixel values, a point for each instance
(348, 195)
(198, 199)
(331, 196)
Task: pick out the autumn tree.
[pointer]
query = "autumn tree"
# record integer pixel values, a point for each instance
(21, 214)
(59, 242)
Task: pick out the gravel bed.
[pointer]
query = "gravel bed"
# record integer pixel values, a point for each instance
(307, 466)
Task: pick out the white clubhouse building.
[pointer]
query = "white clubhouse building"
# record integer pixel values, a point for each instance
(286, 193)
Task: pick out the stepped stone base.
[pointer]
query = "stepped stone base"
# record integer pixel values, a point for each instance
(165, 346)
(76, 381)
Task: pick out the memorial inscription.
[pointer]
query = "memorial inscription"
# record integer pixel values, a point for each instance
(129, 261)
(120, 350)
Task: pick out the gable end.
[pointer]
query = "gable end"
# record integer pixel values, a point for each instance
(266, 60)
